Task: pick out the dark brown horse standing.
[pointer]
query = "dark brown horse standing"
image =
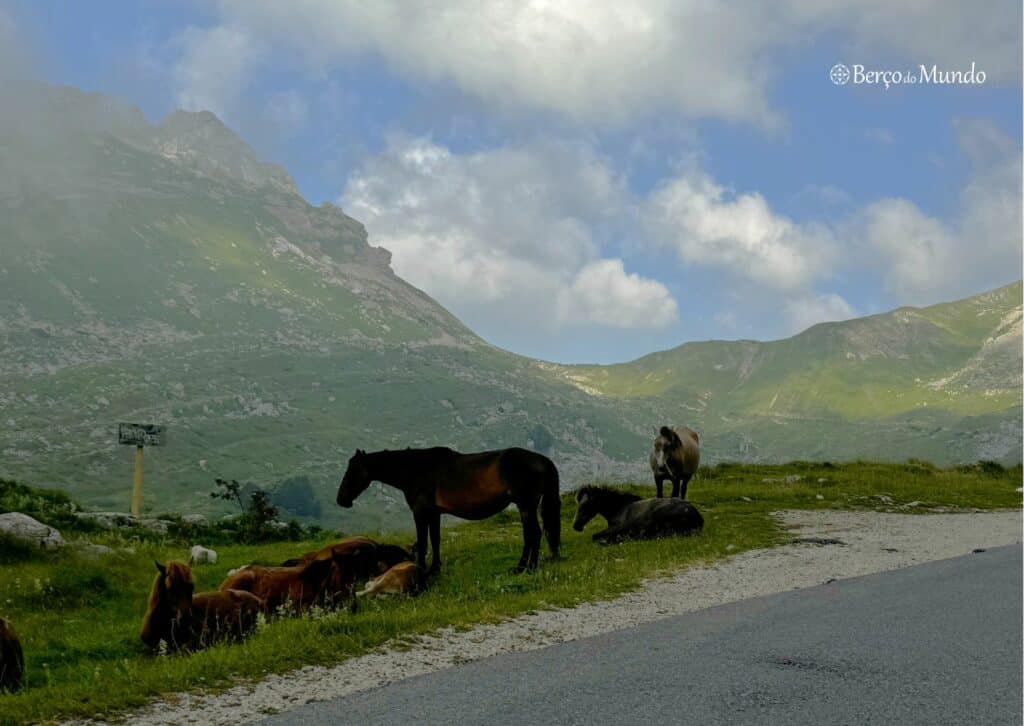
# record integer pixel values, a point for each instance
(471, 486)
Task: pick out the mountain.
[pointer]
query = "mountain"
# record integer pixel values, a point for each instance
(165, 274)
(941, 382)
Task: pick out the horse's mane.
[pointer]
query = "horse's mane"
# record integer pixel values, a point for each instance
(419, 457)
(607, 494)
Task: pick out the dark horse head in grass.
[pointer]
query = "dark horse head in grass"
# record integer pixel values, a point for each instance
(357, 478)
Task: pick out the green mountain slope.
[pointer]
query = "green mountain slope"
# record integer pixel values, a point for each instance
(164, 274)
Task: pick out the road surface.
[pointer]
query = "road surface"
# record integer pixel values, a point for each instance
(938, 643)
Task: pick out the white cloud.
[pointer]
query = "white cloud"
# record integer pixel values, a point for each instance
(708, 225)
(806, 310)
(924, 31)
(505, 236)
(600, 62)
(603, 293)
(915, 250)
(921, 258)
(213, 68)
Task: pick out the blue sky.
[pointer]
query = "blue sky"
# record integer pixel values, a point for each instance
(590, 183)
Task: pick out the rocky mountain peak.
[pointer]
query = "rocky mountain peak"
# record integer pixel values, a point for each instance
(200, 140)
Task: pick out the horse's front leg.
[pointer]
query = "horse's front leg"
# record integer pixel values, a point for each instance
(614, 533)
(686, 483)
(422, 526)
(659, 481)
(531, 540)
(435, 543)
(675, 486)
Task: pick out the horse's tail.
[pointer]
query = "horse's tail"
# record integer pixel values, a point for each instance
(551, 509)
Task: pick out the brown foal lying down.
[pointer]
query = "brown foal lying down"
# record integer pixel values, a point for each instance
(183, 621)
(405, 578)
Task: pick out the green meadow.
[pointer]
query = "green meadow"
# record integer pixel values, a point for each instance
(79, 615)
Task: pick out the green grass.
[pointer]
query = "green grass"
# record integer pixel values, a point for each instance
(79, 617)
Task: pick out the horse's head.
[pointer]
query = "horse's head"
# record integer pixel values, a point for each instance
(174, 585)
(586, 508)
(356, 479)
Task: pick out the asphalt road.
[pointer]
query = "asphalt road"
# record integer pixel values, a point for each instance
(939, 643)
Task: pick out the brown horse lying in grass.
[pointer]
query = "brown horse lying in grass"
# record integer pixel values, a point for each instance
(12, 660)
(323, 580)
(405, 578)
(387, 555)
(183, 621)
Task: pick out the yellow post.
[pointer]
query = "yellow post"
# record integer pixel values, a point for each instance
(137, 483)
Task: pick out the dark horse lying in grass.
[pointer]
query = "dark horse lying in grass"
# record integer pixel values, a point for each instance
(632, 517)
(472, 486)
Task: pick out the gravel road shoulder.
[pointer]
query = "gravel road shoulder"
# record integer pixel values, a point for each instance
(867, 542)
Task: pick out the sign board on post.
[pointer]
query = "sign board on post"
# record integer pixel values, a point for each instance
(140, 435)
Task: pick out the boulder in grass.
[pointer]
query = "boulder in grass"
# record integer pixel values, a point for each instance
(159, 526)
(123, 520)
(24, 528)
(202, 556)
(108, 520)
(196, 520)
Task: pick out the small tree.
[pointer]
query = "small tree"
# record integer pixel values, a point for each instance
(297, 495)
(229, 491)
(257, 515)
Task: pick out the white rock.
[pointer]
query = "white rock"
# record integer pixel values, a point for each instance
(197, 520)
(819, 497)
(26, 529)
(200, 555)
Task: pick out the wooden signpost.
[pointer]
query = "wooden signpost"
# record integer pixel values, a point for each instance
(141, 435)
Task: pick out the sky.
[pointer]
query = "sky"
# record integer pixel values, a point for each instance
(590, 182)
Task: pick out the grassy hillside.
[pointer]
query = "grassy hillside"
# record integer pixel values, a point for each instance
(944, 380)
(165, 274)
(79, 616)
